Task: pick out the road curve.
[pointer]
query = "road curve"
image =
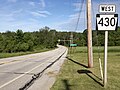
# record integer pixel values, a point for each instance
(23, 72)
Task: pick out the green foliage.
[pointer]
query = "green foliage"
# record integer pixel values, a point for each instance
(20, 41)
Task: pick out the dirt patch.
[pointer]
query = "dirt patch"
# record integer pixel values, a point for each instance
(52, 73)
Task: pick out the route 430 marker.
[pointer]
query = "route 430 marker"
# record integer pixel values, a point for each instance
(106, 21)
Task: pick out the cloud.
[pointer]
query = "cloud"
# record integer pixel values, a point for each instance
(17, 11)
(45, 12)
(79, 5)
(32, 3)
(71, 23)
(68, 25)
(33, 20)
(41, 13)
(37, 14)
(74, 16)
(42, 3)
(11, 16)
(25, 25)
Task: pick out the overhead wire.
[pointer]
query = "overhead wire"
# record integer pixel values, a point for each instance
(79, 14)
(76, 26)
(84, 15)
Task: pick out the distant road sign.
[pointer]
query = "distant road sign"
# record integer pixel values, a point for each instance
(106, 22)
(73, 45)
(107, 8)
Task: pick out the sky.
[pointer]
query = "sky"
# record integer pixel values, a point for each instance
(62, 15)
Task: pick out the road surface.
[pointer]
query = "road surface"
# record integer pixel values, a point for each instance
(32, 72)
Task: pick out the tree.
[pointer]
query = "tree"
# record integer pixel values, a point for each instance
(47, 38)
(19, 35)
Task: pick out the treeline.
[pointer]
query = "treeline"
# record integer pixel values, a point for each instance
(48, 38)
(97, 38)
(26, 41)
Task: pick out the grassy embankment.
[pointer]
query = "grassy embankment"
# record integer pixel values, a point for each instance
(75, 75)
(36, 50)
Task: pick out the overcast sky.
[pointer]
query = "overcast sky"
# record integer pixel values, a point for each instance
(62, 15)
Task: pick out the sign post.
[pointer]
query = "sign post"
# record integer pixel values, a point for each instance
(105, 59)
(106, 21)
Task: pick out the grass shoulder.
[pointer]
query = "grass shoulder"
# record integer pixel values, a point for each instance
(36, 50)
(75, 75)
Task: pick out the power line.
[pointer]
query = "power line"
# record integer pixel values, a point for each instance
(76, 26)
(79, 14)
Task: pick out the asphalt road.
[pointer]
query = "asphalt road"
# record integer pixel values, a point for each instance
(28, 71)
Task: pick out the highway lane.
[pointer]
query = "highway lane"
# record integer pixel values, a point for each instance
(16, 71)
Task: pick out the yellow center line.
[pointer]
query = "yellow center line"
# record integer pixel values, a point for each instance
(13, 61)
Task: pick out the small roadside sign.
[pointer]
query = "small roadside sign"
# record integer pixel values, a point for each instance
(105, 22)
(73, 45)
(107, 8)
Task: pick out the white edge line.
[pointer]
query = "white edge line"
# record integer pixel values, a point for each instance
(22, 75)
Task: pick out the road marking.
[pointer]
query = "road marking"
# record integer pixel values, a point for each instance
(10, 62)
(7, 62)
(20, 59)
(24, 74)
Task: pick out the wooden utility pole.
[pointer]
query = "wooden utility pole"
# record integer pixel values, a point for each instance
(71, 38)
(90, 52)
